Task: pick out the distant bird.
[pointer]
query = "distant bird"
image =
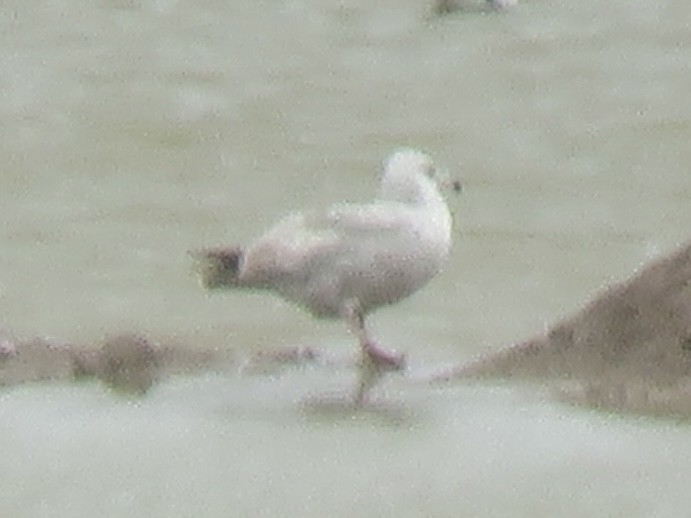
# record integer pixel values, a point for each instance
(450, 6)
(350, 259)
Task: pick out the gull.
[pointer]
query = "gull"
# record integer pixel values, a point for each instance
(352, 258)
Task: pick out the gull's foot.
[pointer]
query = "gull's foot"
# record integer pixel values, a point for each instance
(373, 364)
(382, 359)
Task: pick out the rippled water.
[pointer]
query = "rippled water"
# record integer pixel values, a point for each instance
(134, 131)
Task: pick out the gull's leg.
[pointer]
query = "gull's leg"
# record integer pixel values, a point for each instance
(368, 374)
(374, 361)
(356, 322)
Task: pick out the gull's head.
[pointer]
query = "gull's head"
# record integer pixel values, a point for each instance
(410, 174)
(409, 162)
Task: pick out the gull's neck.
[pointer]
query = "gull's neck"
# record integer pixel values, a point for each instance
(431, 216)
(417, 190)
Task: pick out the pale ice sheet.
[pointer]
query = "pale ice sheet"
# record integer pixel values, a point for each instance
(292, 445)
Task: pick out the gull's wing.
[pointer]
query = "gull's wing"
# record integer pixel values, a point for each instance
(303, 241)
(381, 218)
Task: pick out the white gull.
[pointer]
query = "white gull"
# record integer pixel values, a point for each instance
(350, 259)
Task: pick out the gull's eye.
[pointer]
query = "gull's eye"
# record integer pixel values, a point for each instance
(430, 171)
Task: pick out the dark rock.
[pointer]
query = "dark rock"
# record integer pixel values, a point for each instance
(128, 363)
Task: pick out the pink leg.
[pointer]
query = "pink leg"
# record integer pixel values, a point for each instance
(383, 359)
(374, 361)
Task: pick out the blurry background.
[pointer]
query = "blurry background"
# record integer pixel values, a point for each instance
(134, 131)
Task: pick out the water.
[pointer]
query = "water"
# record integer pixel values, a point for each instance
(133, 132)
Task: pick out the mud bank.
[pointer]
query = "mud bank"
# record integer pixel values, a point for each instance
(132, 364)
(629, 349)
(128, 363)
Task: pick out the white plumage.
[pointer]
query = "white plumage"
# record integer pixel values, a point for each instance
(350, 259)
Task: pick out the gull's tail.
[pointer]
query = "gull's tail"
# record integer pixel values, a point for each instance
(218, 268)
